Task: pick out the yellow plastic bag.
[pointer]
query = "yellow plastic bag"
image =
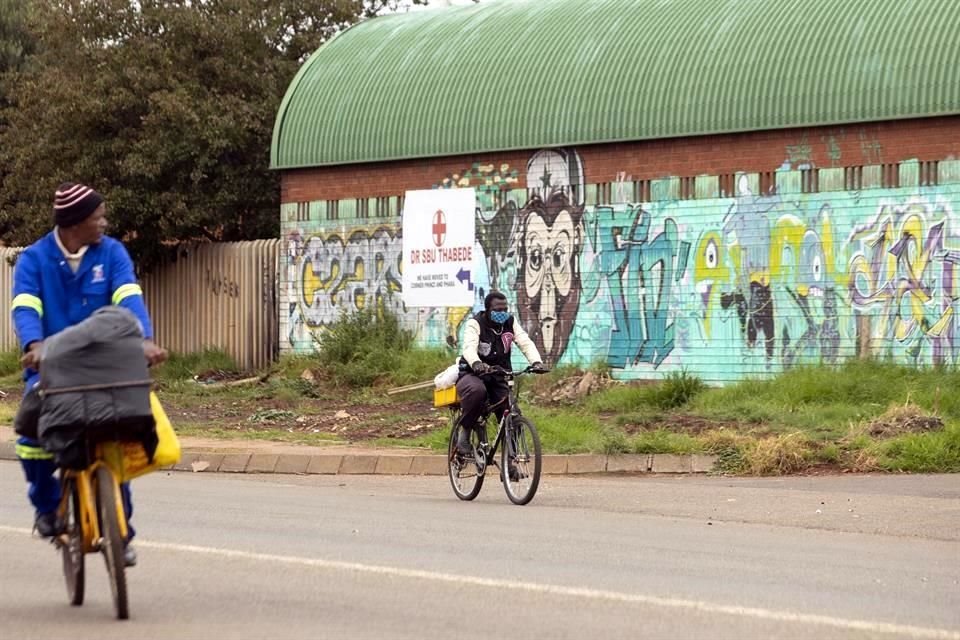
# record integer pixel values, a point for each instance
(168, 449)
(129, 460)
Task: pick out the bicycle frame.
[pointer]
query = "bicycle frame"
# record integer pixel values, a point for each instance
(490, 452)
(516, 440)
(87, 516)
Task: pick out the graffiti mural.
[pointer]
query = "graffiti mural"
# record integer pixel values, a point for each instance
(801, 291)
(901, 281)
(548, 287)
(346, 271)
(725, 287)
(637, 271)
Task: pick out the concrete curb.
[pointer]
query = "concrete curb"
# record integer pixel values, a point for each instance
(198, 460)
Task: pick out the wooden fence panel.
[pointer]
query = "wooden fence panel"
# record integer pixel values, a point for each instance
(220, 296)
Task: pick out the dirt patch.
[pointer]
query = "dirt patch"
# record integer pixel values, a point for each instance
(219, 377)
(680, 423)
(12, 394)
(823, 469)
(902, 419)
(571, 389)
(352, 423)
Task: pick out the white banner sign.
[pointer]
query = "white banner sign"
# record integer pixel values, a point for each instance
(438, 239)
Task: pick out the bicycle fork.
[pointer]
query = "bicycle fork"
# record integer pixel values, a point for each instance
(87, 512)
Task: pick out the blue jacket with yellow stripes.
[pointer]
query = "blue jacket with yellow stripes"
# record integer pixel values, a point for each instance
(48, 296)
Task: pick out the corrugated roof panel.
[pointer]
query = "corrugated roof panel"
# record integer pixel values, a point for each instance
(522, 74)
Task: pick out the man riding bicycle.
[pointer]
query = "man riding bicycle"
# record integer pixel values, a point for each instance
(487, 343)
(60, 281)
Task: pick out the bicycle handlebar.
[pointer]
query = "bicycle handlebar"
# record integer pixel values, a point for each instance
(515, 374)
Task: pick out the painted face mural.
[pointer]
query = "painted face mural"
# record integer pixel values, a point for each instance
(547, 244)
(548, 291)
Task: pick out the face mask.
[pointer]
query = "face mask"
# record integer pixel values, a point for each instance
(500, 317)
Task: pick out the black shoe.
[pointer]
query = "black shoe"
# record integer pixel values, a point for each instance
(47, 524)
(515, 473)
(129, 556)
(464, 448)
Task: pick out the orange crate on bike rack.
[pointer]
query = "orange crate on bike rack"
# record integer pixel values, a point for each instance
(445, 397)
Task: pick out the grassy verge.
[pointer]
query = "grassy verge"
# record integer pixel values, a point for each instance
(922, 453)
(861, 416)
(7, 412)
(858, 417)
(11, 374)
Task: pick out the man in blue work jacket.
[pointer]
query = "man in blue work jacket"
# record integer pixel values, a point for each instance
(60, 281)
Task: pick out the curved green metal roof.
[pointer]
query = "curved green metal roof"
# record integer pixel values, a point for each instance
(526, 74)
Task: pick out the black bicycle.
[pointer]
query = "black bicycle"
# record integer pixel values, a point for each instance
(521, 458)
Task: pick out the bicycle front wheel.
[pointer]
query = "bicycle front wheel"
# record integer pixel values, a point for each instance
(466, 477)
(112, 545)
(521, 460)
(71, 543)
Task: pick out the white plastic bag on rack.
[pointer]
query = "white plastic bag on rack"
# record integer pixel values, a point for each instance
(448, 377)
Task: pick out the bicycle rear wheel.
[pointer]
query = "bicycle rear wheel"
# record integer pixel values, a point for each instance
(71, 543)
(521, 460)
(112, 545)
(465, 477)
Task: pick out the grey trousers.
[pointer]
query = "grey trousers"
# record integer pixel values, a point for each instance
(477, 392)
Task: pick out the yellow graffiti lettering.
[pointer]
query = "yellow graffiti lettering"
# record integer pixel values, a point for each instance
(826, 241)
(313, 283)
(787, 236)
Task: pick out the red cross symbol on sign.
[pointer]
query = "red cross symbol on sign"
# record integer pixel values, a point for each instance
(439, 228)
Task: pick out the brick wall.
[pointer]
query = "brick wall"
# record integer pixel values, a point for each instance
(789, 247)
(759, 151)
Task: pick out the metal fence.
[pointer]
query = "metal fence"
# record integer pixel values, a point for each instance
(220, 296)
(8, 339)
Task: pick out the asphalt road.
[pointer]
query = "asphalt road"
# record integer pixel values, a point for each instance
(390, 557)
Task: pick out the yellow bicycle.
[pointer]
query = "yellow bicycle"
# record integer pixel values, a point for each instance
(91, 510)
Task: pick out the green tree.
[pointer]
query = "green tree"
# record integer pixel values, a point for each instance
(165, 106)
(16, 43)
